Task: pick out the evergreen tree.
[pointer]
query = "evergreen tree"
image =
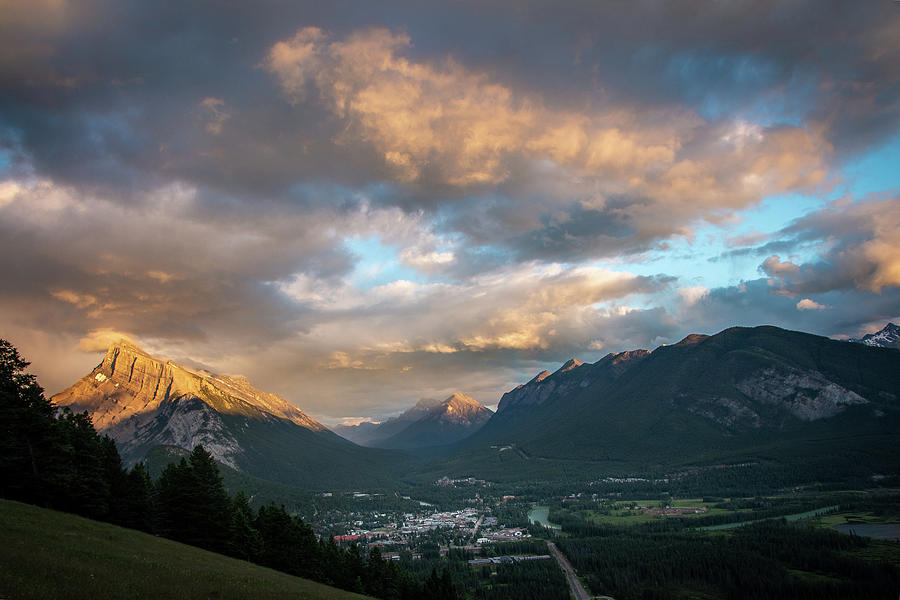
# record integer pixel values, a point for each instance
(210, 503)
(439, 587)
(85, 486)
(245, 541)
(56, 462)
(26, 431)
(192, 505)
(171, 502)
(134, 506)
(332, 563)
(375, 573)
(275, 528)
(354, 570)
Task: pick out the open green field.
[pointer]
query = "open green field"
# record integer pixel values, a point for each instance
(48, 554)
(621, 513)
(842, 517)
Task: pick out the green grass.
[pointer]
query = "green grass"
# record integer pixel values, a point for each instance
(878, 551)
(622, 516)
(48, 554)
(811, 577)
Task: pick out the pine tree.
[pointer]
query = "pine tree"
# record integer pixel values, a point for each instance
(375, 573)
(26, 431)
(210, 503)
(134, 506)
(245, 541)
(171, 502)
(283, 544)
(85, 486)
(192, 505)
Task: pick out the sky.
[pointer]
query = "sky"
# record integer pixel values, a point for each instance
(361, 204)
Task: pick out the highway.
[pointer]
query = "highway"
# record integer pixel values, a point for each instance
(577, 589)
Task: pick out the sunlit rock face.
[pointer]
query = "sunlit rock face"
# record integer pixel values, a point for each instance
(141, 401)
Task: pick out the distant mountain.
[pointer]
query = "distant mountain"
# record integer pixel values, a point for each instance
(142, 402)
(452, 420)
(758, 394)
(888, 337)
(361, 433)
(427, 423)
(366, 434)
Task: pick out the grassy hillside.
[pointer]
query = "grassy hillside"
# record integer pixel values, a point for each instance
(48, 554)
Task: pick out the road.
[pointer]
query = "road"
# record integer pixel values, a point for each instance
(475, 531)
(577, 589)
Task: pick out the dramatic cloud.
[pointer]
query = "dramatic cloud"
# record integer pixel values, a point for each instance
(441, 124)
(857, 249)
(530, 308)
(361, 204)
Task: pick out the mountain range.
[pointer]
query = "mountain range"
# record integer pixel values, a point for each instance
(809, 407)
(759, 394)
(143, 403)
(888, 337)
(427, 423)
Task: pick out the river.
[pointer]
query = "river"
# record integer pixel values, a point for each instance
(878, 531)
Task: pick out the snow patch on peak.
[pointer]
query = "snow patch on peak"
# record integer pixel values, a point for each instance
(888, 337)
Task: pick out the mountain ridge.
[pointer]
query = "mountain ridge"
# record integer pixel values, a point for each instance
(761, 393)
(427, 423)
(143, 402)
(171, 379)
(887, 337)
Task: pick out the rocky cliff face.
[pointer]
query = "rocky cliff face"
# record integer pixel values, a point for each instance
(808, 395)
(141, 401)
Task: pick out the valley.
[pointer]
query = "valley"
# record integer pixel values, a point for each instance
(450, 300)
(635, 527)
(644, 474)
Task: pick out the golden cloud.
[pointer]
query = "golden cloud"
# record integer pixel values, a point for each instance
(519, 309)
(441, 120)
(99, 340)
(883, 251)
(74, 298)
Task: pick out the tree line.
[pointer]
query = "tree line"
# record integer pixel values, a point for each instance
(56, 459)
(771, 559)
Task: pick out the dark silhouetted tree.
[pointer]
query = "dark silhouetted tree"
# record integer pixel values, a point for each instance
(246, 543)
(192, 505)
(27, 441)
